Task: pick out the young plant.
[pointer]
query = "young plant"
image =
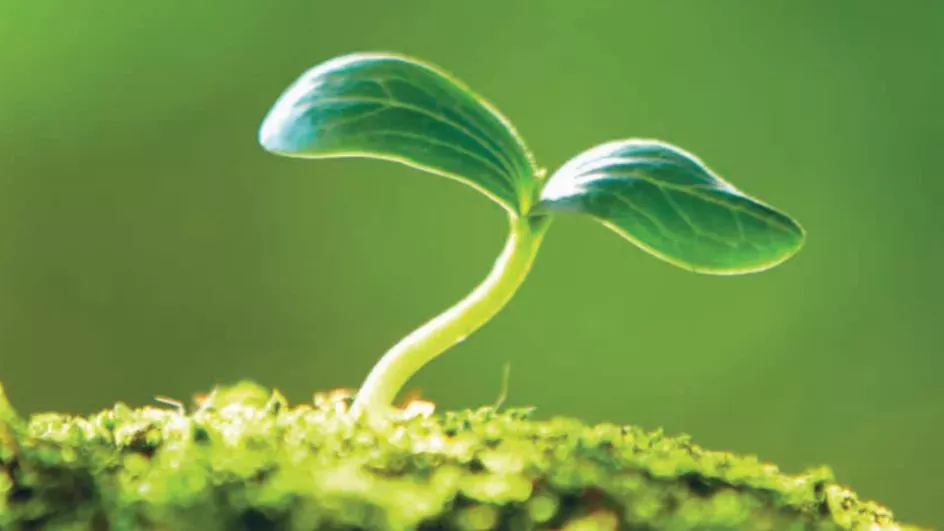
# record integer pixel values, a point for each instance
(661, 198)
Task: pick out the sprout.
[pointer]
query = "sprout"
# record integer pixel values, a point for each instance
(661, 198)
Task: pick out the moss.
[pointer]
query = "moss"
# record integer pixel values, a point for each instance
(245, 459)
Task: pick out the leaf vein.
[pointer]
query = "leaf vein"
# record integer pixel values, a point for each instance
(496, 151)
(504, 185)
(698, 192)
(500, 168)
(695, 228)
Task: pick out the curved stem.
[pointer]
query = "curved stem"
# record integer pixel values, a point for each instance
(414, 351)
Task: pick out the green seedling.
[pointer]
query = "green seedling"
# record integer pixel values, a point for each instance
(661, 198)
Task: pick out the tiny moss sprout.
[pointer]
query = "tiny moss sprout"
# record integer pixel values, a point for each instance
(661, 198)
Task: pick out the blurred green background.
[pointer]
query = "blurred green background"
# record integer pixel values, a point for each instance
(149, 246)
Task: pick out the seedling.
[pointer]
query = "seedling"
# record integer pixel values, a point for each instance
(661, 198)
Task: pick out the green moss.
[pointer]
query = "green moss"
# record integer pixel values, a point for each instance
(245, 459)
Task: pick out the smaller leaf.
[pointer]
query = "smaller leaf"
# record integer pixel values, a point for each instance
(669, 203)
(391, 107)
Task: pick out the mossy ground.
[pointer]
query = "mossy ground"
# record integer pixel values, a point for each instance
(245, 459)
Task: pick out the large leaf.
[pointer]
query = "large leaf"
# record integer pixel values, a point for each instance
(397, 108)
(669, 203)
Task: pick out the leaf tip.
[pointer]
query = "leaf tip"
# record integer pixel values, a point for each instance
(275, 127)
(267, 137)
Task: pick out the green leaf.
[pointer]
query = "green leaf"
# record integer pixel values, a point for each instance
(669, 203)
(396, 108)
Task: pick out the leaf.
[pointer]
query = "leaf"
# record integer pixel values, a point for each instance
(669, 203)
(396, 108)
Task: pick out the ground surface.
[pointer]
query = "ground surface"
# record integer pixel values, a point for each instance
(244, 459)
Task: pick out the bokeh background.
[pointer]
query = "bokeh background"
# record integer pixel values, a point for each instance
(149, 246)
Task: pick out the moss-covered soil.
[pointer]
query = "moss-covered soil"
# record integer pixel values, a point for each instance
(245, 459)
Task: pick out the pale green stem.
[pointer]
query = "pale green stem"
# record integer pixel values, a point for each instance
(414, 351)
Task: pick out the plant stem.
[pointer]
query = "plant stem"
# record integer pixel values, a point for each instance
(414, 351)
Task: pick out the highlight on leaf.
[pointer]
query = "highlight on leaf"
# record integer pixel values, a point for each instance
(388, 106)
(668, 202)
